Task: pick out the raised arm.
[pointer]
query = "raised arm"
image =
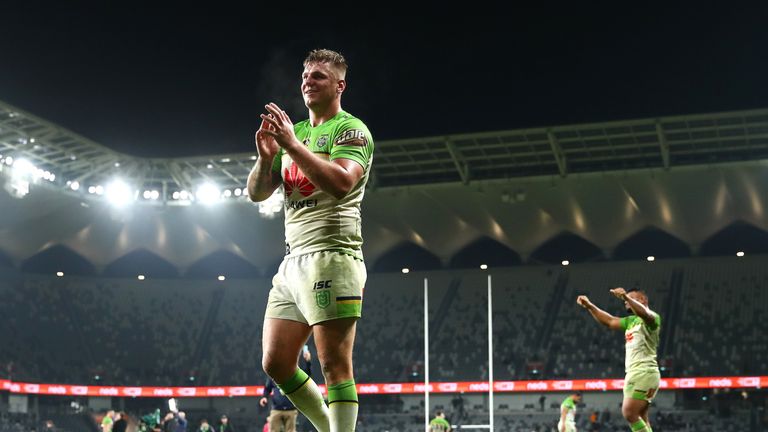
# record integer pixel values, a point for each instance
(598, 314)
(638, 308)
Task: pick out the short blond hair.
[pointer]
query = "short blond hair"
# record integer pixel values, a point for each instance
(330, 57)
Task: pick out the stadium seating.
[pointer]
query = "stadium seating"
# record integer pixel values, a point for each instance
(164, 331)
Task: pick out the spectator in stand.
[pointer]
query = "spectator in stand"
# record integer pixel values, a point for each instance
(181, 421)
(225, 425)
(169, 423)
(205, 427)
(121, 422)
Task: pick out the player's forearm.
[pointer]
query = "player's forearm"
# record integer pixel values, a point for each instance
(329, 177)
(638, 308)
(260, 181)
(600, 315)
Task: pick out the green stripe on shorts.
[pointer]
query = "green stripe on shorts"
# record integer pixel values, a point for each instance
(349, 306)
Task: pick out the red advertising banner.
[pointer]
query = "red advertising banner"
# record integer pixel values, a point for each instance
(386, 388)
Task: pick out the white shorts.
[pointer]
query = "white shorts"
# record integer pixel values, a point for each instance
(317, 287)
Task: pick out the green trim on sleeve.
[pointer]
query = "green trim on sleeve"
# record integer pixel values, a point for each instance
(625, 322)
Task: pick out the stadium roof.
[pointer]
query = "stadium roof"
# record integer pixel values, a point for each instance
(678, 180)
(558, 150)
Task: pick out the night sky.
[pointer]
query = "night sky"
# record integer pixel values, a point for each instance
(174, 83)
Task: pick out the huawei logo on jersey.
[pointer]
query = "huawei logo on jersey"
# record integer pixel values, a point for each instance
(294, 180)
(629, 337)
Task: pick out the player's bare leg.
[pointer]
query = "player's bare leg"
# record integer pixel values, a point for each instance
(334, 340)
(644, 415)
(633, 410)
(281, 342)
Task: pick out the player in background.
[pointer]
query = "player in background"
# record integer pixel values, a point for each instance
(107, 421)
(323, 164)
(439, 423)
(641, 332)
(567, 421)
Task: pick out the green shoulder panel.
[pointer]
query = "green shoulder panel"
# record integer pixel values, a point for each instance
(656, 320)
(626, 322)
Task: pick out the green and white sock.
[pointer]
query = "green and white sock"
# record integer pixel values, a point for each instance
(342, 402)
(303, 392)
(640, 426)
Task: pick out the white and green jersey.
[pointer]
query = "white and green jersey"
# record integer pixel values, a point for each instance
(439, 424)
(570, 405)
(642, 342)
(315, 220)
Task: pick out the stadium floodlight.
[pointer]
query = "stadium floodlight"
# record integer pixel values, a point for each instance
(227, 193)
(405, 270)
(119, 193)
(22, 173)
(209, 166)
(238, 192)
(22, 167)
(650, 258)
(60, 274)
(565, 262)
(221, 278)
(175, 195)
(53, 177)
(141, 277)
(99, 190)
(740, 253)
(154, 195)
(272, 205)
(208, 193)
(184, 195)
(483, 266)
(91, 189)
(147, 194)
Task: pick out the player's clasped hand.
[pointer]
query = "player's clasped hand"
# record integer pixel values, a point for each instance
(582, 301)
(619, 292)
(265, 144)
(280, 126)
